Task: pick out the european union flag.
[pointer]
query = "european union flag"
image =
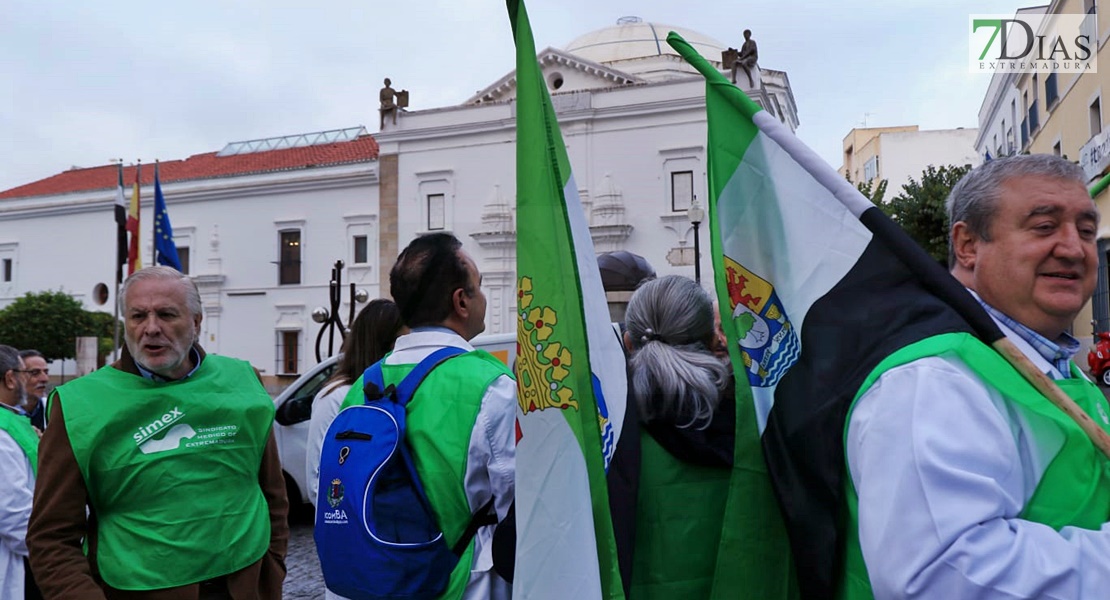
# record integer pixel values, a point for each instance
(165, 251)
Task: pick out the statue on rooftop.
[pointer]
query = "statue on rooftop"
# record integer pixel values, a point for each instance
(745, 58)
(391, 101)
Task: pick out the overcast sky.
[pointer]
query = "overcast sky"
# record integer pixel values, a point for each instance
(85, 82)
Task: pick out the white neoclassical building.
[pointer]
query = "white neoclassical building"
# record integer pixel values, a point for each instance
(263, 221)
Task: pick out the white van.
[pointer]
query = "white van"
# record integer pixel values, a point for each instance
(294, 409)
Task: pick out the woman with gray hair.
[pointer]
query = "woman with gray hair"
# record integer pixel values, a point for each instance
(675, 375)
(684, 394)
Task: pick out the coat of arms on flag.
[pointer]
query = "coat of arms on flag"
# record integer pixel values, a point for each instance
(543, 363)
(768, 341)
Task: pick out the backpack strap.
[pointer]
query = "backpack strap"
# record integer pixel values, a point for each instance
(485, 516)
(372, 376)
(374, 388)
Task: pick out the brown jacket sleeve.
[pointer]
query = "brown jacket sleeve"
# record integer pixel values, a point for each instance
(58, 521)
(272, 481)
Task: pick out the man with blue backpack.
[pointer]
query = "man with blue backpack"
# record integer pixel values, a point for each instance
(457, 417)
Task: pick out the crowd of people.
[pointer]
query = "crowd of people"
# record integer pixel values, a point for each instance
(158, 477)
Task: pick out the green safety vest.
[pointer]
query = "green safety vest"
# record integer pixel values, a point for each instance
(1074, 489)
(19, 427)
(440, 418)
(172, 471)
(679, 509)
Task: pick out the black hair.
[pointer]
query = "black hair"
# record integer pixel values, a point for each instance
(425, 276)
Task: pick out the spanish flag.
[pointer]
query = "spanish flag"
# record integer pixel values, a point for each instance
(134, 260)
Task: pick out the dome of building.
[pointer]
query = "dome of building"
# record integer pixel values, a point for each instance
(632, 38)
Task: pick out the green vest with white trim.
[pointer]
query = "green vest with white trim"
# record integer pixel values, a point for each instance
(1074, 489)
(171, 470)
(440, 419)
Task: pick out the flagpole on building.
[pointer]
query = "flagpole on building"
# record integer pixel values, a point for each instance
(120, 257)
(154, 226)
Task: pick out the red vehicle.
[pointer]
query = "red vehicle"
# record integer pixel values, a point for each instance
(1098, 359)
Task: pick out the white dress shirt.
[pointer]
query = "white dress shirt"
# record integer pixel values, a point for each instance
(17, 487)
(943, 466)
(325, 406)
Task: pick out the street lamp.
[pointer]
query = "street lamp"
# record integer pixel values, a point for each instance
(696, 214)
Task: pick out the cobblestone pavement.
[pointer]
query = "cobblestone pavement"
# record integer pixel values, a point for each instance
(303, 580)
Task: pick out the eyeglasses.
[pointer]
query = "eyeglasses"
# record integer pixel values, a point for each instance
(32, 372)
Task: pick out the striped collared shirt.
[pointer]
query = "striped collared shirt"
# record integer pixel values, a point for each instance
(1058, 353)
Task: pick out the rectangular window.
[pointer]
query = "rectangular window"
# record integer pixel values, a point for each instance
(289, 265)
(288, 352)
(1094, 115)
(682, 190)
(1051, 95)
(871, 168)
(436, 220)
(360, 247)
(7, 270)
(183, 258)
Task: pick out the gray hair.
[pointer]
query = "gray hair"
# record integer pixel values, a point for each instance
(974, 200)
(192, 295)
(675, 376)
(9, 360)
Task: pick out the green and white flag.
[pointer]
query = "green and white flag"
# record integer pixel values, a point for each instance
(817, 287)
(570, 366)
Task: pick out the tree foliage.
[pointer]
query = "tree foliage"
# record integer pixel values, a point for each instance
(51, 322)
(874, 191)
(919, 208)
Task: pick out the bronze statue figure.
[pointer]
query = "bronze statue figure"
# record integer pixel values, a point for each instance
(385, 96)
(745, 59)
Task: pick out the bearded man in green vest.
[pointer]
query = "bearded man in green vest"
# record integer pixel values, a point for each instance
(171, 452)
(461, 420)
(965, 482)
(19, 444)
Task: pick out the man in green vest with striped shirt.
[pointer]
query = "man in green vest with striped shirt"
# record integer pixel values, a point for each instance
(965, 481)
(461, 419)
(171, 452)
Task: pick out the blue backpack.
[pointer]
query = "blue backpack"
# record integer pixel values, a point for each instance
(376, 534)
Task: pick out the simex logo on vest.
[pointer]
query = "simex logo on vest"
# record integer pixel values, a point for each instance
(144, 435)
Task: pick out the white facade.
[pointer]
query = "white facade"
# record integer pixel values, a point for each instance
(633, 119)
(898, 154)
(1000, 118)
(906, 154)
(231, 227)
(1003, 110)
